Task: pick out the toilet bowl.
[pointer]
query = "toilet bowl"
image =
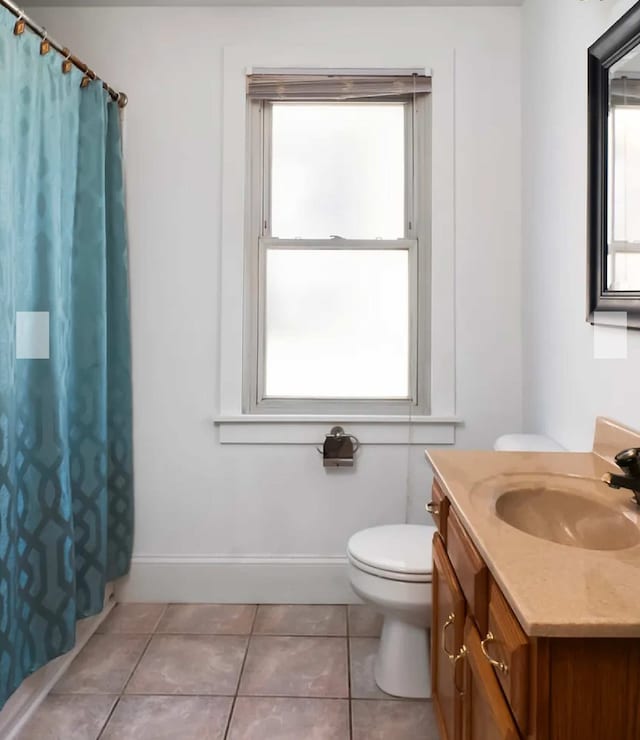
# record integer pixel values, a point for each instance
(390, 569)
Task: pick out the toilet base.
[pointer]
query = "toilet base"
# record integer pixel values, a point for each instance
(403, 665)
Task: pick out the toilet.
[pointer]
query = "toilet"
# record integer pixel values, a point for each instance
(527, 443)
(390, 569)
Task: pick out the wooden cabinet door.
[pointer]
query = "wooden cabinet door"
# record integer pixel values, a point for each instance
(447, 632)
(508, 646)
(486, 714)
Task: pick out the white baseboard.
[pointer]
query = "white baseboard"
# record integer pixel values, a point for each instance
(26, 699)
(239, 580)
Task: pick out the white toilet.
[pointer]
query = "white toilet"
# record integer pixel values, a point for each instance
(527, 443)
(390, 569)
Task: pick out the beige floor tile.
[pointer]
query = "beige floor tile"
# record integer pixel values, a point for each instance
(190, 664)
(103, 665)
(362, 655)
(301, 619)
(364, 621)
(70, 717)
(169, 718)
(294, 684)
(208, 619)
(132, 619)
(289, 719)
(393, 720)
(296, 666)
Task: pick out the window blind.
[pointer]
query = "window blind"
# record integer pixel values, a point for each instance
(335, 86)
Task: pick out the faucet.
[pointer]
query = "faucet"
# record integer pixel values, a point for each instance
(629, 462)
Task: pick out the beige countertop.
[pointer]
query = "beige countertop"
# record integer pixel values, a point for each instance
(555, 590)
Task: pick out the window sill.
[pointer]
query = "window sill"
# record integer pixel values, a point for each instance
(311, 430)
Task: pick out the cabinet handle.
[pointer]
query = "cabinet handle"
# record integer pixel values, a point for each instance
(502, 667)
(450, 620)
(461, 655)
(453, 658)
(433, 508)
(463, 650)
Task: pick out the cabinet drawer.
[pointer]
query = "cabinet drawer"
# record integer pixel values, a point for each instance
(507, 644)
(470, 569)
(438, 507)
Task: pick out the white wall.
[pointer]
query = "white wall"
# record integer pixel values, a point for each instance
(565, 388)
(197, 499)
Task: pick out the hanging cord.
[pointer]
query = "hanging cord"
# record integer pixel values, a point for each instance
(407, 500)
(414, 114)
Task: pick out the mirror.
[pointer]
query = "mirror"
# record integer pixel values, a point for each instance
(614, 172)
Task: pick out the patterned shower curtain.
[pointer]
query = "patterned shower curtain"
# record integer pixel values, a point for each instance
(66, 488)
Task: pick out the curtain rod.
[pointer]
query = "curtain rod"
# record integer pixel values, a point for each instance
(119, 97)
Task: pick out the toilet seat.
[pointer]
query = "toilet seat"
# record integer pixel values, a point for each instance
(390, 574)
(400, 552)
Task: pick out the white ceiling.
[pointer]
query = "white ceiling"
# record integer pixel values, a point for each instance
(230, 3)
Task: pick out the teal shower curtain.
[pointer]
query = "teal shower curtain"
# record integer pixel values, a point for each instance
(66, 486)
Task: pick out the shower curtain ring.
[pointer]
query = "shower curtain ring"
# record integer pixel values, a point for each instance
(67, 64)
(44, 44)
(20, 25)
(89, 75)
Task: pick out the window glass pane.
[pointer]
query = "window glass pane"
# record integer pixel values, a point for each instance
(626, 180)
(338, 169)
(624, 273)
(337, 324)
(623, 265)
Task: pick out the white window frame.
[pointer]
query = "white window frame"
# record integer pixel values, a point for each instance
(415, 241)
(234, 424)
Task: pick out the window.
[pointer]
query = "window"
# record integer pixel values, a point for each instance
(337, 244)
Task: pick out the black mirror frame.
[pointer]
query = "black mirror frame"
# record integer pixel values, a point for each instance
(614, 44)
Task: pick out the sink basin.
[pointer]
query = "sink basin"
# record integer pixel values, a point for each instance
(566, 517)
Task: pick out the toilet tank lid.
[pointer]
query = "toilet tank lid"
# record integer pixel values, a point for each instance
(398, 548)
(527, 443)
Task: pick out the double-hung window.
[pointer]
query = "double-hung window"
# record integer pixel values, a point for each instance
(337, 237)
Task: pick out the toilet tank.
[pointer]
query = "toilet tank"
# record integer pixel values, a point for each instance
(527, 443)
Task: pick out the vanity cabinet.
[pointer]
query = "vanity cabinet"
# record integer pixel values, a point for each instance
(491, 681)
(468, 698)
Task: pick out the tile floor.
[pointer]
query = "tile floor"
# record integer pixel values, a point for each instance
(236, 672)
